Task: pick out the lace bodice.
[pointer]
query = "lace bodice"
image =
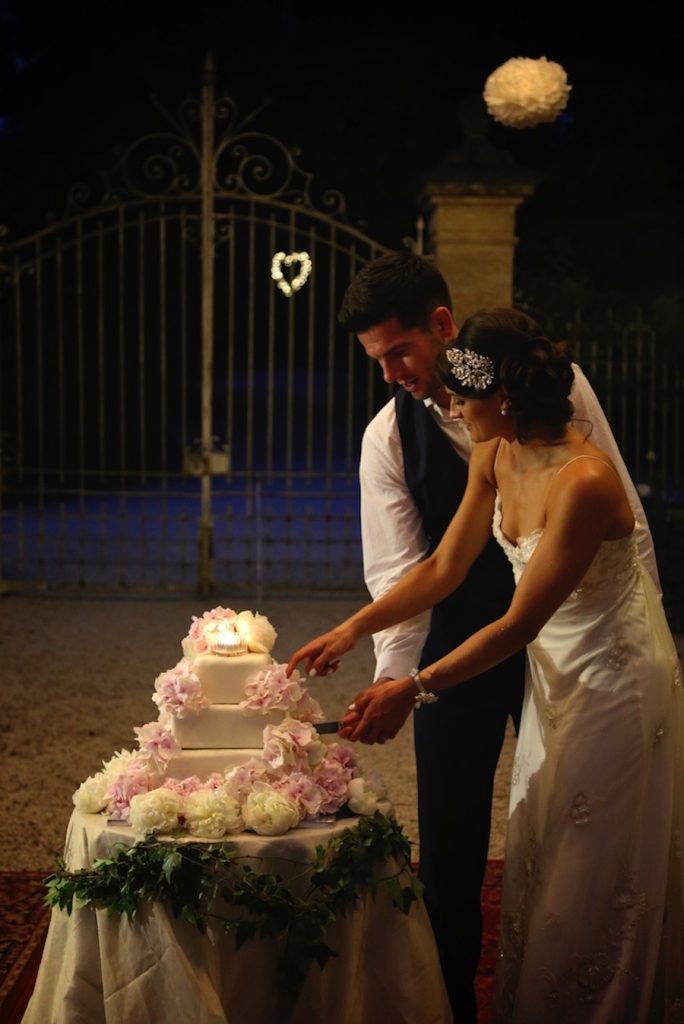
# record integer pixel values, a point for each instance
(518, 554)
(615, 562)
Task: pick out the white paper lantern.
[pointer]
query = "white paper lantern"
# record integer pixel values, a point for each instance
(524, 92)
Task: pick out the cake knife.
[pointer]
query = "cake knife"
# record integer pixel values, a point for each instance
(327, 727)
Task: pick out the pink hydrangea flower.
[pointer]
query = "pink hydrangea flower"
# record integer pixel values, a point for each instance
(157, 743)
(178, 690)
(239, 781)
(183, 786)
(343, 755)
(292, 744)
(308, 709)
(303, 791)
(193, 783)
(214, 781)
(333, 780)
(272, 690)
(136, 778)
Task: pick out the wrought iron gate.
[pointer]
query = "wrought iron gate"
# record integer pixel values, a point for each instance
(172, 416)
(176, 411)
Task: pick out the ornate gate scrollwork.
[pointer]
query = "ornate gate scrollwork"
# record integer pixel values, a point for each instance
(145, 346)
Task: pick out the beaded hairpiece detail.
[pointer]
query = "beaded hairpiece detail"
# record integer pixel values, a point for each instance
(470, 368)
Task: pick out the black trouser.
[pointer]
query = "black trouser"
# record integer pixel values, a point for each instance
(458, 741)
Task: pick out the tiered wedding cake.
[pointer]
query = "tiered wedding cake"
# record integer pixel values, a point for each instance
(234, 746)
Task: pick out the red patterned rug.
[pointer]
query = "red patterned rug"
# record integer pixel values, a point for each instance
(23, 924)
(24, 921)
(491, 909)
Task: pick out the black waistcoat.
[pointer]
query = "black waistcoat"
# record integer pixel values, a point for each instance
(436, 477)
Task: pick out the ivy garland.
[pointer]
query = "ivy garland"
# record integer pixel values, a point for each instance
(190, 877)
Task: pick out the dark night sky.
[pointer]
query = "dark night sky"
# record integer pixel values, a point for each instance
(370, 97)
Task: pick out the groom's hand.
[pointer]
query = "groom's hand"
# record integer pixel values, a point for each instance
(382, 709)
(353, 715)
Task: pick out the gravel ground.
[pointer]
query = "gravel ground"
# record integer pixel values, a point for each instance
(78, 674)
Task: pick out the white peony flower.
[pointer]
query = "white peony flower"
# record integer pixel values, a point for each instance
(361, 798)
(268, 812)
(257, 632)
(156, 811)
(523, 92)
(118, 763)
(91, 795)
(376, 782)
(210, 813)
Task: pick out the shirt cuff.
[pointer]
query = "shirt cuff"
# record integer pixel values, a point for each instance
(395, 660)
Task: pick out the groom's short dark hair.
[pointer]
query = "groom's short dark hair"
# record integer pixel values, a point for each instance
(398, 284)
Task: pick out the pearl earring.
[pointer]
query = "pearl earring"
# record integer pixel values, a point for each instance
(504, 410)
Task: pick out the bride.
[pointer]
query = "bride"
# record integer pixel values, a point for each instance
(592, 909)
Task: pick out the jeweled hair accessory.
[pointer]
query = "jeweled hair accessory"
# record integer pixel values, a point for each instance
(470, 368)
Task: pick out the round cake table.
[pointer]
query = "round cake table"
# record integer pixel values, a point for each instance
(99, 968)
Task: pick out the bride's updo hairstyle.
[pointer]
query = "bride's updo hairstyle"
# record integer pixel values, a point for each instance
(534, 373)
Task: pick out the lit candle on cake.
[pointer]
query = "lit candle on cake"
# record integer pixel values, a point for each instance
(224, 638)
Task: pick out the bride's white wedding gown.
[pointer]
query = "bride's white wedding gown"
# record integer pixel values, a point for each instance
(592, 911)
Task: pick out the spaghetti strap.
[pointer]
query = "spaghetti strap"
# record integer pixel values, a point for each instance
(496, 457)
(576, 457)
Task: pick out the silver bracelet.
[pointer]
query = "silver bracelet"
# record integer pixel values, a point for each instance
(423, 696)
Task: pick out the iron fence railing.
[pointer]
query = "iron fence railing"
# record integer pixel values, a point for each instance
(270, 534)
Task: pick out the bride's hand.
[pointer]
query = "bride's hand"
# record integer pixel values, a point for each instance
(378, 713)
(322, 655)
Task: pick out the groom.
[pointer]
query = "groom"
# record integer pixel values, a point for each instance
(413, 474)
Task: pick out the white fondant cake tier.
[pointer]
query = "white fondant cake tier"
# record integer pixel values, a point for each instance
(223, 678)
(222, 725)
(205, 762)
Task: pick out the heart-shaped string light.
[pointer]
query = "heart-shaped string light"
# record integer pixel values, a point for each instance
(280, 260)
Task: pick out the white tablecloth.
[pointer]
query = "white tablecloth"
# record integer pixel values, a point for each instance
(102, 969)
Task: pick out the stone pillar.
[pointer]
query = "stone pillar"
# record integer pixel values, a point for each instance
(469, 202)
